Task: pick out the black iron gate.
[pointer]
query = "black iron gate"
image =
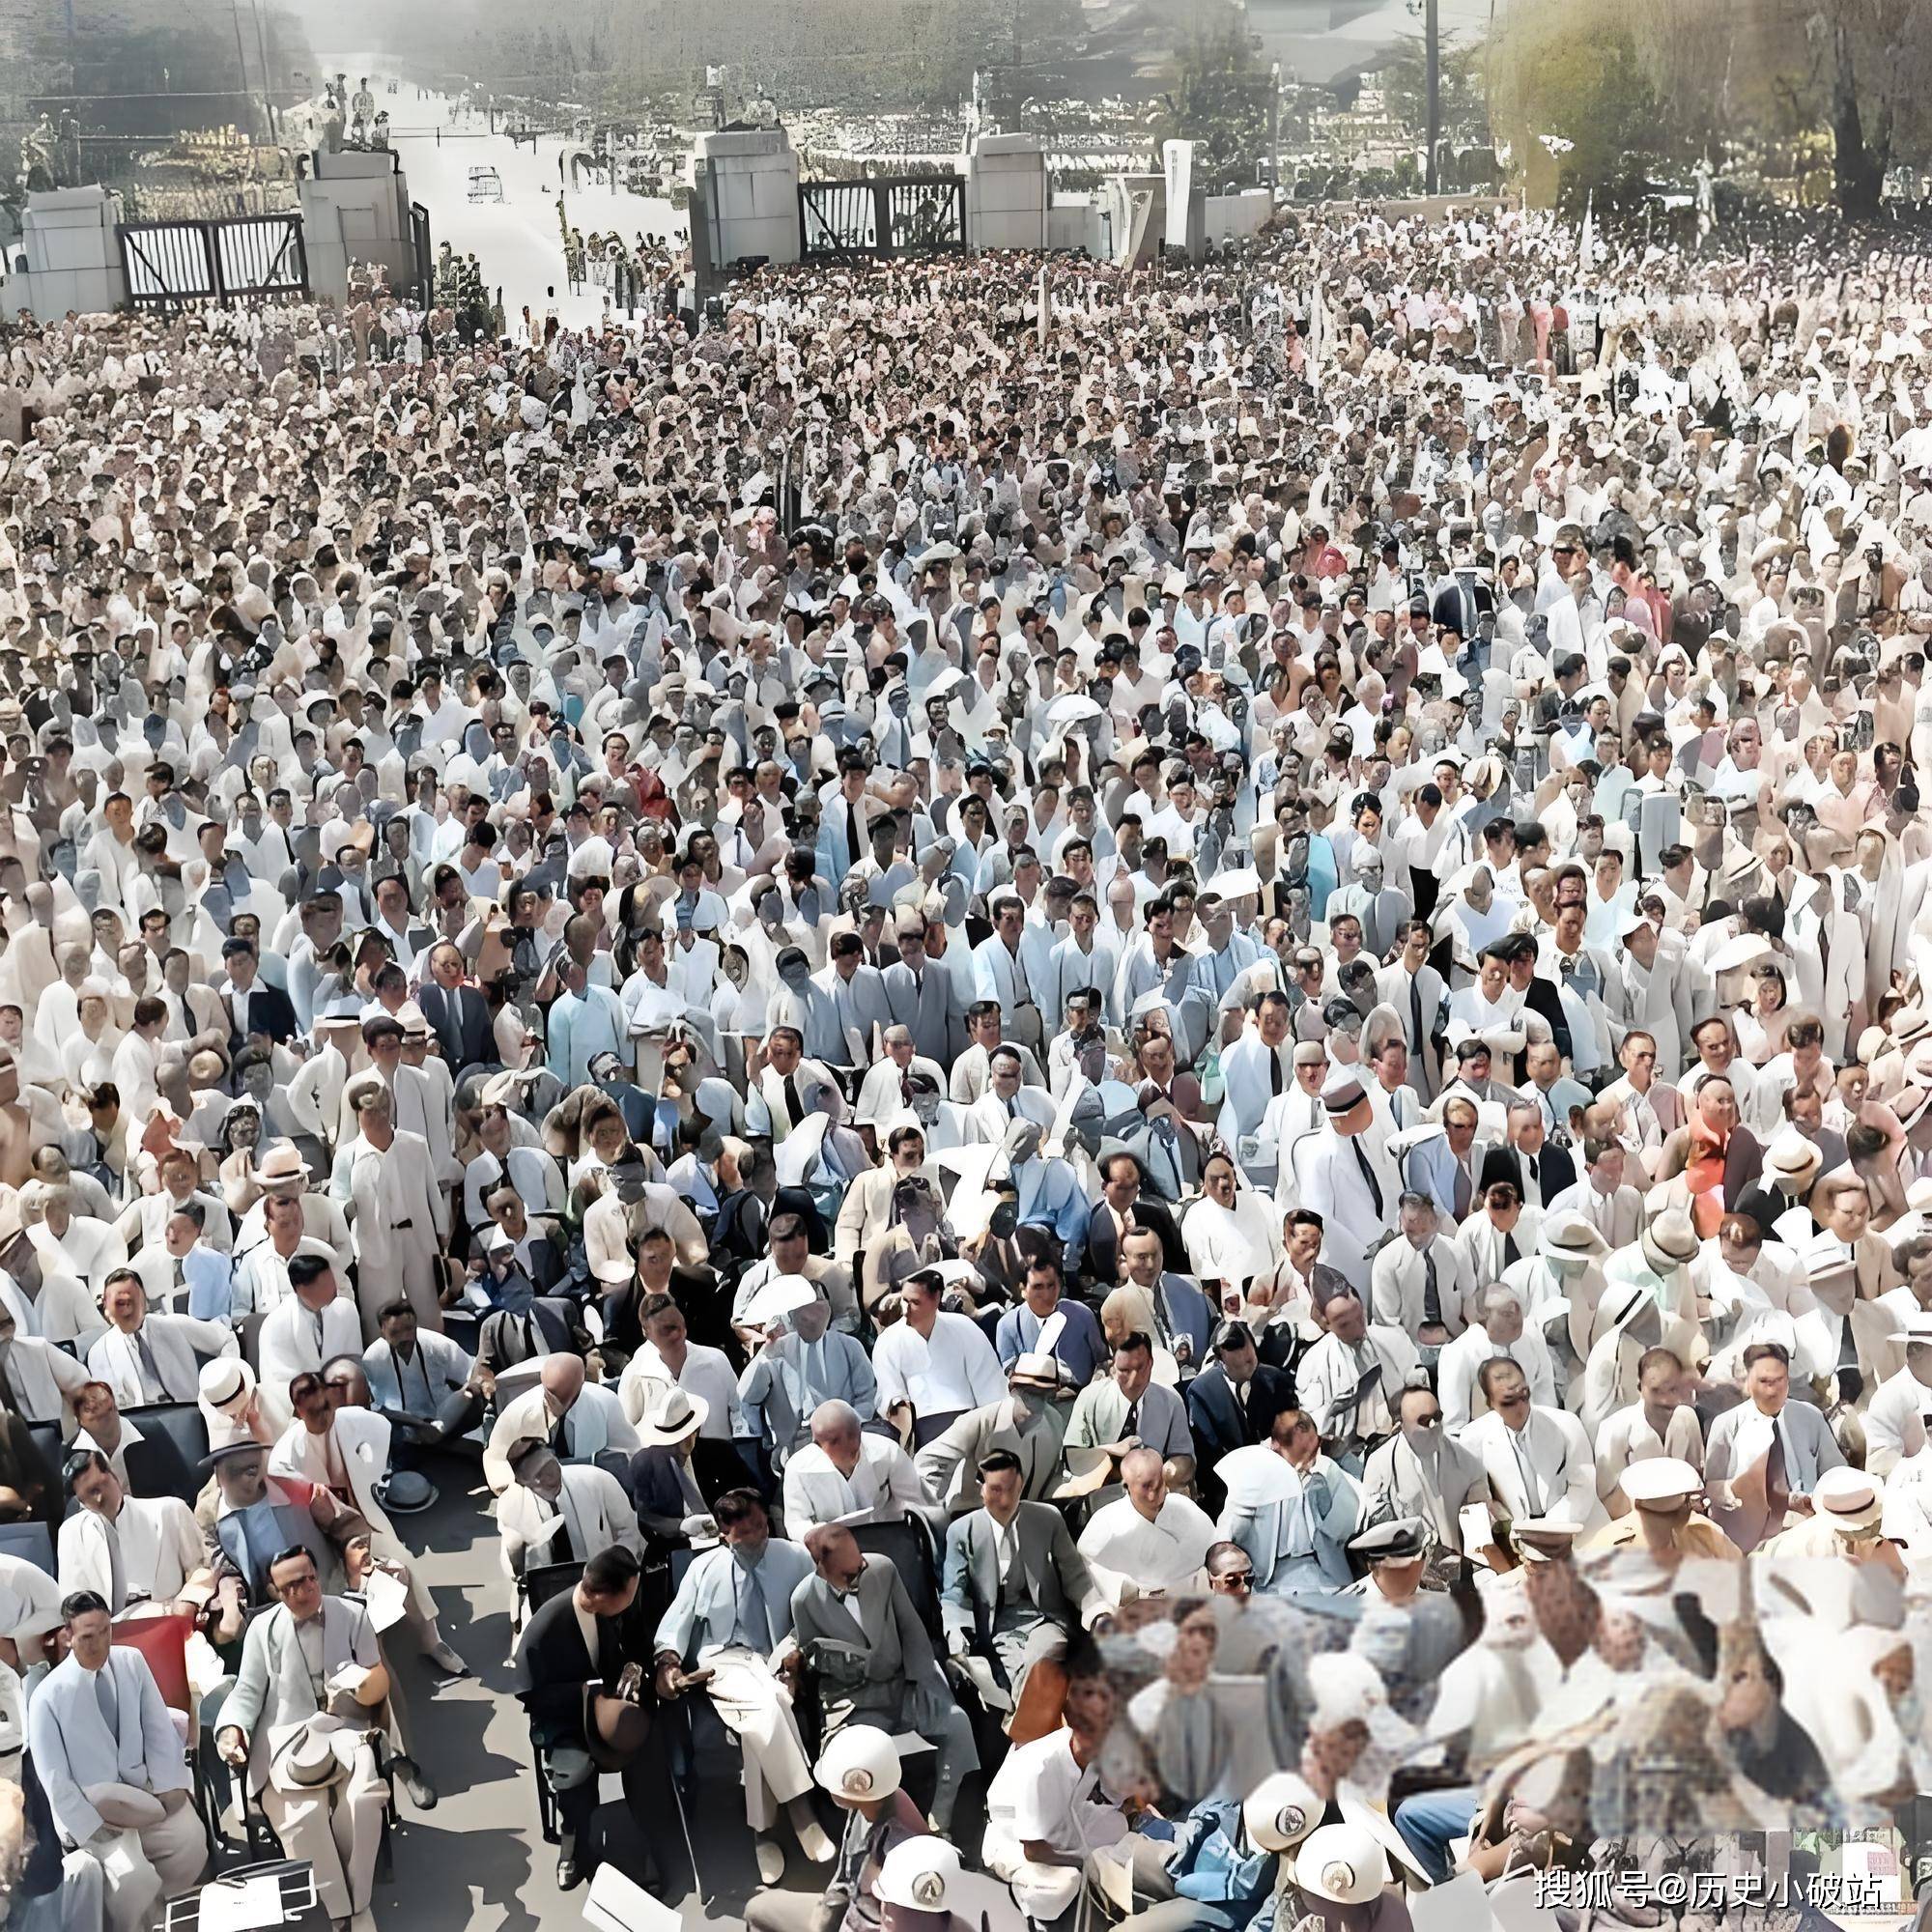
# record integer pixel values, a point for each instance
(243, 258)
(425, 259)
(894, 216)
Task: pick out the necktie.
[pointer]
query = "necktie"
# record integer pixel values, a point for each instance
(559, 1435)
(117, 1570)
(152, 1387)
(1131, 1426)
(1777, 1482)
(753, 1616)
(1375, 1186)
(1274, 1070)
(1535, 1174)
(1462, 1189)
(852, 844)
(1511, 1255)
(315, 1322)
(793, 1108)
(1415, 1014)
(1431, 1295)
(1532, 1488)
(110, 1704)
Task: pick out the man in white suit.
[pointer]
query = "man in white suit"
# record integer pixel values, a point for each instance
(314, 1325)
(582, 1420)
(123, 1547)
(109, 1759)
(588, 1503)
(1350, 1384)
(346, 1452)
(846, 1475)
(1497, 1330)
(401, 1213)
(1257, 1066)
(275, 1692)
(151, 1358)
(1537, 1460)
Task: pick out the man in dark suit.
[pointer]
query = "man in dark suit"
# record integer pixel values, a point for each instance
(521, 1326)
(255, 1008)
(679, 1473)
(459, 1015)
(1122, 1203)
(1461, 601)
(1233, 1402)
(1543, 1170)
(580, 1727)
(1016, 1587)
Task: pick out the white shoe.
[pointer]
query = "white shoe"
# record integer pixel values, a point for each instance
(815, 1845)
(771, 1861)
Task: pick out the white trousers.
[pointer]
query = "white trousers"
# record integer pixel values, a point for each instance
(338, 1829)
(141, 1869)
(755, 1704)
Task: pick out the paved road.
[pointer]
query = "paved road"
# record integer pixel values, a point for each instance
(478, 1859)
(516, 240)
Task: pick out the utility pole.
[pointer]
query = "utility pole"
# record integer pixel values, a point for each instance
(1274, 133)
(267, 78)
(1432, 45)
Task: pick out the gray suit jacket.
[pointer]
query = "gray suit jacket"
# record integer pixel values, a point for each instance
(894, 1658)
(1057, 1582)
(949, 1464)
(273, 1688)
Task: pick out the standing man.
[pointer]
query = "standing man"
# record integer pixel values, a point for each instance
(402, 1214)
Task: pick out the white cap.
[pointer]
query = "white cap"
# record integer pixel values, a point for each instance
(1343, 1863)
(861, 1764)
(1280, 1812)
(1657, 1479)
(919, 1875)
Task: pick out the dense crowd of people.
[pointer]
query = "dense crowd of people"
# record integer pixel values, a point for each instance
(1161, 1055)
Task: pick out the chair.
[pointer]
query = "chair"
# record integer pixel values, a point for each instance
(52, 1452)
(174, 1440)
(31, 1541)
(543, 1581)
(163, 1641)
(907, 1547)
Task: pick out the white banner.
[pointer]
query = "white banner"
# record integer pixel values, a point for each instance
(1177, 159)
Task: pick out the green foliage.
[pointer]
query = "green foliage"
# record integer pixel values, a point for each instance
(1219, 98)
(1405, 81)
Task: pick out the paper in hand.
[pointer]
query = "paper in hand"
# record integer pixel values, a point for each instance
(387, 1600)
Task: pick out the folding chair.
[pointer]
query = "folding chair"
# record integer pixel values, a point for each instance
(174, 1440)
(907, 1547)
(31, 1541)
(161, 1641)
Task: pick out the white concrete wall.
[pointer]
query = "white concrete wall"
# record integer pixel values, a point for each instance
(1007, 192)
(355, 206)
(753, 195)
(1226, 215)
(72, 254)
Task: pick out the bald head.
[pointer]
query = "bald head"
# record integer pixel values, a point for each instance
(562, 1379)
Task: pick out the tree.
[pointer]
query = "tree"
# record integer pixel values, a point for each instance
(1570, 95)
(1405, 81)
(1220, 96)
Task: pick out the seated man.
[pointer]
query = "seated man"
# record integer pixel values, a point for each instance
(1146, 1543)
(680, 1471)
(557, 1513)
(311, 1662)
(803, 1364)
(1129, 1407)
(581, 1670)
(731, 1619)
(344, 1450)
(847, 1474)
(1047, 1806)
(581, 1420)
(1015, 1584)
(872, 1659)
(1027, 1421)
(109, 1759)
(146, 1358)
(129, 1550)
(431, 1393)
